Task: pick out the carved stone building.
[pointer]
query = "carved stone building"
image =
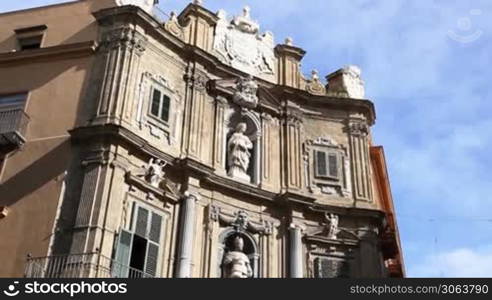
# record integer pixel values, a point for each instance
(188, 147)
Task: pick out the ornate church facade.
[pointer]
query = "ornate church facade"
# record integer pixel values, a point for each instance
(194, 147)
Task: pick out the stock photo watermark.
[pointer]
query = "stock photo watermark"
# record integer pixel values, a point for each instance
(466, 32)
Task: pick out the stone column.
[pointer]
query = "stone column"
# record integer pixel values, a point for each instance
(185, 252)
(295, 249)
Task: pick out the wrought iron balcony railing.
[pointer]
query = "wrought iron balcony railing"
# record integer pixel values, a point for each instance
(87, 265)
(13, 125)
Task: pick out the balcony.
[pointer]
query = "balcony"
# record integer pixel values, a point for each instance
(87, 265)
(13, 125)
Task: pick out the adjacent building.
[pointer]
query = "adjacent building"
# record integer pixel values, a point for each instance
(133, 145)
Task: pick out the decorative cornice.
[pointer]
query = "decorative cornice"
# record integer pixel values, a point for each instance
(75, 50)
(124, 37)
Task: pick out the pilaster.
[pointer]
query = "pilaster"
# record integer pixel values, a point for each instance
(358, 131)
(118, 61)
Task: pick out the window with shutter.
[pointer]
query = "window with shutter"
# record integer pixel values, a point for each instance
(326, 164)
(142, 221)
(333, 165)
(137, 252)
(320, 162)
(123, 250)
(160, 105)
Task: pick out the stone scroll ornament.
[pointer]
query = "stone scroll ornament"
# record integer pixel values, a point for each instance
(238, 149)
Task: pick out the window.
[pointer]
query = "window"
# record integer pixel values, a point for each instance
(13, 101)
(327, 164)
(331, 268)
(137, 250)
(31, 37)
(160, 105)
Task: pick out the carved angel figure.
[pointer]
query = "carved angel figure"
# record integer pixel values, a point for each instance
(154, 171)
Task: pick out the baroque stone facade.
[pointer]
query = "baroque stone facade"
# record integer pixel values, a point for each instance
(206, 153)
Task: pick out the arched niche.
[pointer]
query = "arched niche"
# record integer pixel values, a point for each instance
(253, 132)
(226, 240)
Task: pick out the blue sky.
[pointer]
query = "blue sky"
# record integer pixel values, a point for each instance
(427, 67)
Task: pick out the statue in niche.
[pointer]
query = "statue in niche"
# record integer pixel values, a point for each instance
(332, 224)
(154, 172)
(238, 149)
(236, 264)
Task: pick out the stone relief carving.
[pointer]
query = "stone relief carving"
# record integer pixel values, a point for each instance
(240, 221)
(246, 92)
(172, 25)
(358, 128)
(238, 43)
(236, 263)
(347, 83)
(238, 150)
(314, 85)
(124, 37)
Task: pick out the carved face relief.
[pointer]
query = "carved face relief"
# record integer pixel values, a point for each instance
(246, 92)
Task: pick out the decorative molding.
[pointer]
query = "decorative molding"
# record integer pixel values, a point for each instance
(358, 128)
(124, 37)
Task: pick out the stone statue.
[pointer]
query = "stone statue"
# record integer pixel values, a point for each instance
(238, 149)
(246, 92)
(332, 225)
(154, 172)
(236, 264)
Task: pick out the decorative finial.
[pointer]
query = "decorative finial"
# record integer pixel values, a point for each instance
(289, 41)
(315, 74)
(173, 16)
(197, 2)
(246, 11)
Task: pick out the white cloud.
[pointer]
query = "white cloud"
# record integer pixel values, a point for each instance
(462, 262)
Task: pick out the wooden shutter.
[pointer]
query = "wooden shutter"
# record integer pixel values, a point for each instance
(320, 163)
(152, 256)
(333, 165)
(142, 222)
(156, 103)
(123, 250)
(151, 259)
(166, 103)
